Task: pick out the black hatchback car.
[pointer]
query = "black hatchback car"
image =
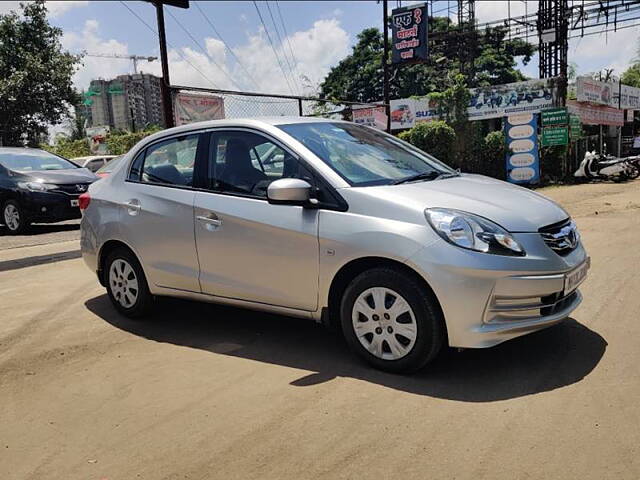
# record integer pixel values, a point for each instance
(39, 187)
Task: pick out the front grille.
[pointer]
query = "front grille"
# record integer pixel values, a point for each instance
(72, 188)
(561, 237)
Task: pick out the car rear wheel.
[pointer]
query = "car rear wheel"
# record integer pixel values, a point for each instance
(14, 218)
(127, 285)
(391, 321)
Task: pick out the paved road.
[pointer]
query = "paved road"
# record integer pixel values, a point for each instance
(41, 234)
(203, 392)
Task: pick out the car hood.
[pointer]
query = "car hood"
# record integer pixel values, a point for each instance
(514, 208)
(60, 177)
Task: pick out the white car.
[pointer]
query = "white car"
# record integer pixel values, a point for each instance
(93, 162)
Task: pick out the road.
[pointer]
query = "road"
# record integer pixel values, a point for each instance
(204, 392)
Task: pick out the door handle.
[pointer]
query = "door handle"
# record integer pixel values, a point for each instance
(133, 207)
(212, 223)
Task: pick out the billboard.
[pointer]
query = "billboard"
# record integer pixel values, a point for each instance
(611, 94)
(190, 107)
(596, 114)
(521, 134)
(409, 30)
(496, 101)
(371, 116)
(502, 100)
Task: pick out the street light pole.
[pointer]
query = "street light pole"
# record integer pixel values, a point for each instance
(165, 85)
(385, 66)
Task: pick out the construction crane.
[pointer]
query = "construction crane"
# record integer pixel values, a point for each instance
(133, 58)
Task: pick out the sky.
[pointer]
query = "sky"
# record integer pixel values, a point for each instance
(316, 35)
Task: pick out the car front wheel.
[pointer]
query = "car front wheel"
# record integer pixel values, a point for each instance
(14, 218)
(127, 285)
(390, 320)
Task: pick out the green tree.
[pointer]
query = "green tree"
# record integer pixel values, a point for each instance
(631, 76)
(358, 77)
(35, 85)
(436, 138)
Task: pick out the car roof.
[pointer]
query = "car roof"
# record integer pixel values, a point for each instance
(20, 149)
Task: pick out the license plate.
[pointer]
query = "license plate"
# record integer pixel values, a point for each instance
(576, 277)
(74, 203)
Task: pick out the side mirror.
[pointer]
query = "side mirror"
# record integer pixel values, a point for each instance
(289, 191)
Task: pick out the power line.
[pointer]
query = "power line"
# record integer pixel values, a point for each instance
(156, 34)
(215, 30)
(286, 36)
(272, 46)
(203, 49)
(284, 51)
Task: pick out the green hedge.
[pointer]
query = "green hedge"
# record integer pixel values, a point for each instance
(118, 143)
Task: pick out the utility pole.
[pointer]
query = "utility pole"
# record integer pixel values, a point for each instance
(385, 66)
(165, 85)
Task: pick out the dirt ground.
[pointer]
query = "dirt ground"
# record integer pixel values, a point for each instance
(204, 392)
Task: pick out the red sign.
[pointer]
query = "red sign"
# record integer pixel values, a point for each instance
(596, 114)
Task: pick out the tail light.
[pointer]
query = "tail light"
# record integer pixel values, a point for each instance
(84, 200)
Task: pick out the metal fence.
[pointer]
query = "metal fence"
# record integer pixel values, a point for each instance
(251, 104)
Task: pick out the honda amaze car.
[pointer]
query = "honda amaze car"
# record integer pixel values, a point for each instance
(349, 226)
(38, 186)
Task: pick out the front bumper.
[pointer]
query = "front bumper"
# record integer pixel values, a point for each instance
(488, 299)
(47, 207)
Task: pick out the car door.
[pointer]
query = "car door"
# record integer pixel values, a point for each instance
(249, 249)
(157, 212)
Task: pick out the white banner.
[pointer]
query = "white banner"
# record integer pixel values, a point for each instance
(496, 101)
(371, 116)
(503, 100)
(610, 94)
(190, 107)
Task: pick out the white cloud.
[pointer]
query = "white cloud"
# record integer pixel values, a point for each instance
(90, 41)
(55, 8)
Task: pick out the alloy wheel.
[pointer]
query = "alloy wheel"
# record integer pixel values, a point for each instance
(384, 323)
(11, 217)
(123, 283)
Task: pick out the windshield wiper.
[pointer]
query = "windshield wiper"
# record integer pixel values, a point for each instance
(425, 176)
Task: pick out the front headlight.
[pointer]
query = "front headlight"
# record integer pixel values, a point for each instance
(472, 232)
(36, 186)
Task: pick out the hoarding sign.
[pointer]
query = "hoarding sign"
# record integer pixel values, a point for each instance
(611, 94)
(503, 100)
(558, 135)
(596, 114)
(407, 112)
(630, 115)
(523, 164)
(409, 30)
(371, 116)
(554, 116)
(402, 113)
(190, 107)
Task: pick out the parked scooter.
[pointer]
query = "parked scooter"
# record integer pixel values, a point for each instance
(604, 167)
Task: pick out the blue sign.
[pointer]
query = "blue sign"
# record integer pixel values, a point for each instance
(523, 162)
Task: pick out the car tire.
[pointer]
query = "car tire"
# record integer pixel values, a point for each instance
(391, 320)
(126, 284)
(14, 218)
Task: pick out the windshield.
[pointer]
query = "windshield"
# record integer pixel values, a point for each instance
(364, 156)
(33, 160)
(111, 165)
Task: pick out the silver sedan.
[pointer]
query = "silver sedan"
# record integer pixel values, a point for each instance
(334, 222)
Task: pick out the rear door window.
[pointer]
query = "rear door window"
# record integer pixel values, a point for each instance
(170, 162)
